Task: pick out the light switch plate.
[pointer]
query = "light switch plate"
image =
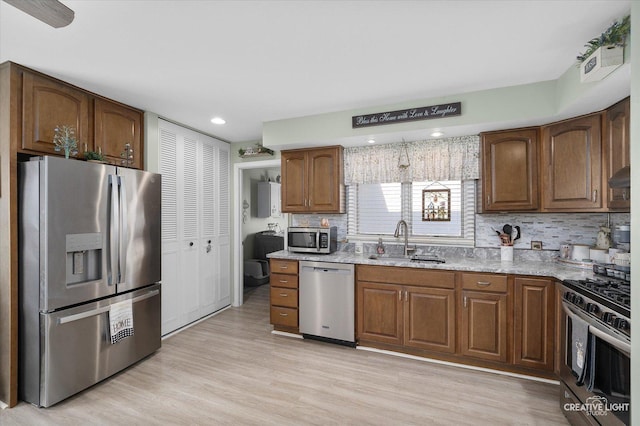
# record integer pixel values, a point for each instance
(536, 245)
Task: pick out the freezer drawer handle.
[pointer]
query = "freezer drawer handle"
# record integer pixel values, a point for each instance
(102, 310)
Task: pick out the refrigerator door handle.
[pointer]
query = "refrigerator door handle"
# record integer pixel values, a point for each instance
(94, 312)
(124, 230)
(114, 231)
(82, 315)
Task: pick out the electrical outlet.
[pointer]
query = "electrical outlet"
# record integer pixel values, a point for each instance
(536, 245)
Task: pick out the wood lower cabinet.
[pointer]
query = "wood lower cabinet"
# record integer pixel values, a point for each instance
(114, 126)
(48, 103)
(510, 170)
(572, 165)
(313, 180)
(430, 319)
(534, 322)
(284, 294)
(484, 325)
(380, 312)
(419, 315)
(617, 144)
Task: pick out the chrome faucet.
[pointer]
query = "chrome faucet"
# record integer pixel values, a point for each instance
(406, 235)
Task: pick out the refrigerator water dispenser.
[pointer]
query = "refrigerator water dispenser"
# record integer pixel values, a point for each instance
(84, 257)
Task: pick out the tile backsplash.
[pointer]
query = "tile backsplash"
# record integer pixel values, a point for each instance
(552, 229)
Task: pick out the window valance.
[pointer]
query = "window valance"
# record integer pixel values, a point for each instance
(454, 158)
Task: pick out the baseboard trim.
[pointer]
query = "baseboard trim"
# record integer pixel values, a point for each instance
(285, 334)
(196, 322)
(454, 364)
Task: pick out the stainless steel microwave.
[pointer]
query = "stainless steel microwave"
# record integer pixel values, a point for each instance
(312, 240)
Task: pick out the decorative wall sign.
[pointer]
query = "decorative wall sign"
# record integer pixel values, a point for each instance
(404, 115)
(436, 205)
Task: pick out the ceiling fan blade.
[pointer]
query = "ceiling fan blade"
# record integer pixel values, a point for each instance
(50, 12)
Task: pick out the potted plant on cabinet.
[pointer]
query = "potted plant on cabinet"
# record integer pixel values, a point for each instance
(605, 53)
(94, 156)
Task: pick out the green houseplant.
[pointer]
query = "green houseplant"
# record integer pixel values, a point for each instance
(93, 156)
(615, 35)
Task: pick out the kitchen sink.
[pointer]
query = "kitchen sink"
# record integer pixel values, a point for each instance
(413, 258)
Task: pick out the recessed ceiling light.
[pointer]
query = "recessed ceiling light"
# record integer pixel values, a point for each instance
(437, 134)
(218, 120)
(371, 141)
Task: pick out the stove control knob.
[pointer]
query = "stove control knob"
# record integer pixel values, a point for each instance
(608, 317)
(620, 323)
(579, 300)
(592, 308)
(568, 295)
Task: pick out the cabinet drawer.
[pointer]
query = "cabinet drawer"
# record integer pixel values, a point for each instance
(287, 317)
(280, 266)
(282, 280)
(284, 297)
(484, 282)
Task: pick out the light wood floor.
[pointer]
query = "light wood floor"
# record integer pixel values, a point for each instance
(231, 370)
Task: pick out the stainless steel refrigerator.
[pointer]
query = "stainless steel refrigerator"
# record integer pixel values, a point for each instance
(89, 274)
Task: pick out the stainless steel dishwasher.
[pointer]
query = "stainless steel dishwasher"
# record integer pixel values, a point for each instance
(326, 292)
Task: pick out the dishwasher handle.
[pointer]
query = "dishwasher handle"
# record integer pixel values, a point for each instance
(321, 269)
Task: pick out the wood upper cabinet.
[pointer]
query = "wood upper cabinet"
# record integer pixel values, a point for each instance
(617, 152)
(313, 180)
(534, 322)
(47, 104)
(116, 125)
(100, 124)
(571, 165)
(510, 170)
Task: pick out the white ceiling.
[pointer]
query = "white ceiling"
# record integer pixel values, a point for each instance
(257, 61)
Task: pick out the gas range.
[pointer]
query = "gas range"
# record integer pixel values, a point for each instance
(604, 299)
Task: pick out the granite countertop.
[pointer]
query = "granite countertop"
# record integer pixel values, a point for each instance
(528, 267)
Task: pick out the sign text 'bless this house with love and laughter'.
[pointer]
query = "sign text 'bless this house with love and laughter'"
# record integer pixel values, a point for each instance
(410, 114)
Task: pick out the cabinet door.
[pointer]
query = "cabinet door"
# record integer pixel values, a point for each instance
(484, 325)
(116, 125)
(294, 184)
(47, 104)
(617, 152)
(534, 323)
(571, 165)
(325, 180)
(510, 170)
(379, 312)
(429, 319)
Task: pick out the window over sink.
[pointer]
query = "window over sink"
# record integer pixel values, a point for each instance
(374, 209)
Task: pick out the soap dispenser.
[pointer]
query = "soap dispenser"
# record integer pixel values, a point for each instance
(380, 247)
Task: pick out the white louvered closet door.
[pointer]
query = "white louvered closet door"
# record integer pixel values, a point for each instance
(172, 306)
(195, 228)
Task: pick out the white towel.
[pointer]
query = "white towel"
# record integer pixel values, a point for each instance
(121, 320)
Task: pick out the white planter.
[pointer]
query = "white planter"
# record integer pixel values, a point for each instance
(601, 63)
